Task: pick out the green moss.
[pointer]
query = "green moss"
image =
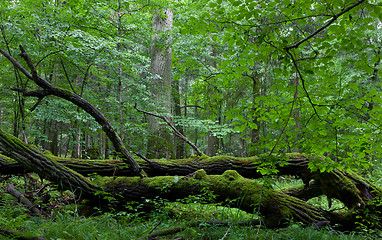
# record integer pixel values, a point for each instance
(12, 141)
(231, 175)
(200, 174)
(159, 182)
(48, 153)
(6, 158)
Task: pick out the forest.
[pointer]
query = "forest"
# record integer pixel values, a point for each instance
(209, 119)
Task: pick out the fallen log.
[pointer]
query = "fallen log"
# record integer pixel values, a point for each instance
(295, 164)
(46, 167)
(275, 206)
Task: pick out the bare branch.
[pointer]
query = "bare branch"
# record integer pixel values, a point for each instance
(16, 64)
(177, 133)
(11, 190)
(334, 18)
(302, 82)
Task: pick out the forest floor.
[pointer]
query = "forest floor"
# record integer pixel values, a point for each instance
(191, 218)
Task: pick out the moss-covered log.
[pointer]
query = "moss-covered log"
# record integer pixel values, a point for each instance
(276, 206)
(296, 164)
(30, 158)
(348, 187)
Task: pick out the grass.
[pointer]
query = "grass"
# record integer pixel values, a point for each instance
(69, 225)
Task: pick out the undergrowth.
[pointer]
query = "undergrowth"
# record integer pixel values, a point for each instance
(70, 225)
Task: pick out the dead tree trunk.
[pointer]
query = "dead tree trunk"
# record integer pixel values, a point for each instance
(46, 167)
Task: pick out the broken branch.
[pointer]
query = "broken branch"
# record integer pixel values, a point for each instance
(177, 133)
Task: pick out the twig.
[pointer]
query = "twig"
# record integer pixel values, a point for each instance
(147, 160)
(302, 82)
(286, 123)
(226, 233)
(177, 133)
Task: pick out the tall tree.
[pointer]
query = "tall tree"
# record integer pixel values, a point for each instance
(161, 141)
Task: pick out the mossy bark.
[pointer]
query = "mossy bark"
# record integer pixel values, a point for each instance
(46, 167)
(275, 206)
(247, 167)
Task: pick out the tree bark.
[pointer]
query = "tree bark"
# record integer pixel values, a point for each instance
(247, 167)
(255, 129)
(276, 207)
(44, 166)
(161, 141)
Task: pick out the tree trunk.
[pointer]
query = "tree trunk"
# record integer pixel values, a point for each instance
(45, 166)
(179, 143)
(212, 144)
(255, 129)
(53, 137)
(276, 207)
(120, 73)
(161, 141)
(213, 140)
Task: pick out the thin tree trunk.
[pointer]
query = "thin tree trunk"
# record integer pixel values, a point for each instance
(178, 113)
(255, 129)
(120, 72)
(212, 140)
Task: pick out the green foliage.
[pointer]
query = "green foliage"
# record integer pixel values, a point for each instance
(235, 76)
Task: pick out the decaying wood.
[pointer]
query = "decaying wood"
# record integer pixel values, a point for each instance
(224, 176)
(296, 164)
(44, 166)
